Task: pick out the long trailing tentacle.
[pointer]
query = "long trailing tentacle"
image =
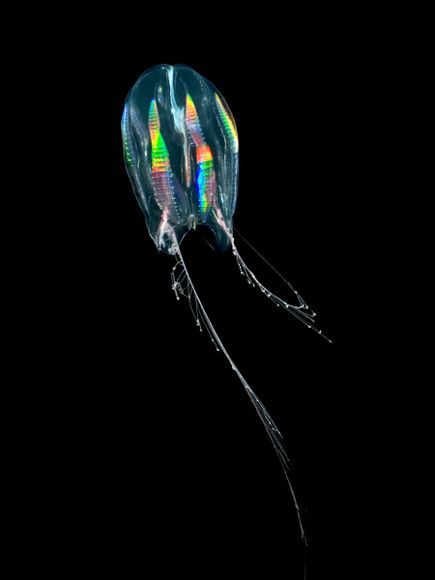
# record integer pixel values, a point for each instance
(183, 286)
(301, 311)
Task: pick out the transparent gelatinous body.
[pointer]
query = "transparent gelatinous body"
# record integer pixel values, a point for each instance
(181, 154)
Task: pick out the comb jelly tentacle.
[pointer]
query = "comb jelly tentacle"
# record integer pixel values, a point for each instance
(183, 285)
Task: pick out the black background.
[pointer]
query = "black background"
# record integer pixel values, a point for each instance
(160, 461)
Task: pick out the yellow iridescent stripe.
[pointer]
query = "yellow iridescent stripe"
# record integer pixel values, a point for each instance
(228, 123)
(192, 122)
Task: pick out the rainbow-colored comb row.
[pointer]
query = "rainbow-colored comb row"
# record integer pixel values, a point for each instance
(125, 137)
(206, 175)
(160, 163)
